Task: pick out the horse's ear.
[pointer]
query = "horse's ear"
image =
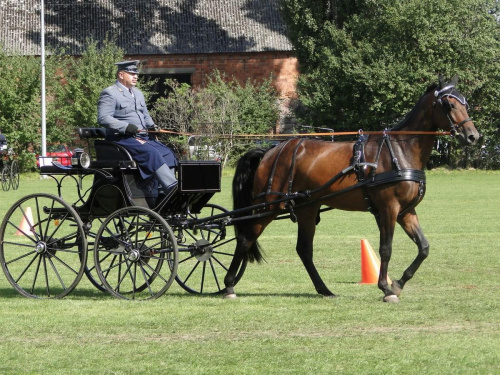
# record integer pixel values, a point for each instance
(454, 81)
(441, 80)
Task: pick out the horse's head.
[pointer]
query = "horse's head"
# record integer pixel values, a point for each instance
(452, 114)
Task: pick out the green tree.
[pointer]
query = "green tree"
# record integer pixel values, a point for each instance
(72, 90)
(365, 63)
(20, 104)
(84, 79)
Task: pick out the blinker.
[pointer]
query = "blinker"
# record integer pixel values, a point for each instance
(450, 91)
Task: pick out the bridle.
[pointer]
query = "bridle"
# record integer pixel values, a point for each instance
(441, 98)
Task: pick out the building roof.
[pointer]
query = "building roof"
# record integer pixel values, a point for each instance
(142, 27)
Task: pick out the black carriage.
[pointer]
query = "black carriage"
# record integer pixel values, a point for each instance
(9, 167)
(119, 233)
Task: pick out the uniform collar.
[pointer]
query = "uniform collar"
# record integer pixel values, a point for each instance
(121, 87)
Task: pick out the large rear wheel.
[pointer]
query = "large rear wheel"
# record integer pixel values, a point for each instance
(135, 254)
(43, 249)
(205, 253)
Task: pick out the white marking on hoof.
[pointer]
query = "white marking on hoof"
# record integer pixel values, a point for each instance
(396, 288)
(391, 299)
(230, 296)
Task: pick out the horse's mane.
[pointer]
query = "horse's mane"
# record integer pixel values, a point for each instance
(400, 125)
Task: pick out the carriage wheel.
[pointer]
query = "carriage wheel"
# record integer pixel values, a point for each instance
(42, 247)
(6, 178)
(133, 248)
(205, 254)
(14, 175)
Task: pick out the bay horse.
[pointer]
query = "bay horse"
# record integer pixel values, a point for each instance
(382, 174)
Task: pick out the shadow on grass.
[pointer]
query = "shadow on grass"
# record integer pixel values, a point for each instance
(95, 294)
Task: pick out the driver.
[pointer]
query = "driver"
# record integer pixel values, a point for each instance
(122, 110)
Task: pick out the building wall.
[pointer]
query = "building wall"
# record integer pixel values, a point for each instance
(255, 66)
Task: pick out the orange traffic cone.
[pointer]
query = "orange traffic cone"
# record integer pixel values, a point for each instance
(26, 223)
(370, 265)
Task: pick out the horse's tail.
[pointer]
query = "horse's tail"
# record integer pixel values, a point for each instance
(243, 194)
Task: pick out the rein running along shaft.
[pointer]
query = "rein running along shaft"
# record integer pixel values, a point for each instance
(383, 132)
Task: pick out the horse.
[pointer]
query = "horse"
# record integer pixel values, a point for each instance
(381, 173)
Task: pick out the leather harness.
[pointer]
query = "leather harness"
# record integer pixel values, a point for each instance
(357, 166)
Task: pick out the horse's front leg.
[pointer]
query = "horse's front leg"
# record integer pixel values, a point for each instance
(411, 226)
(386, 222)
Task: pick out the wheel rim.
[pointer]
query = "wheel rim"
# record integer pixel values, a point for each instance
(42, 247)
(135, 254)
(205, 253)
(14, 175)
(6, 178)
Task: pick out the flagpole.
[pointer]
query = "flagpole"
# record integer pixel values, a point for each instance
(44, 121)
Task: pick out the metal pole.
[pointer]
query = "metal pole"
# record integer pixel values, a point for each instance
(44, 123)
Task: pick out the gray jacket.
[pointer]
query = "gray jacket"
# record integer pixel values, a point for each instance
(117, 108)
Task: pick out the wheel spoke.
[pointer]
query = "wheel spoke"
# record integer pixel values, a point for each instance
(57, 273)
(215, 273)
(36, 274)
(27, 267)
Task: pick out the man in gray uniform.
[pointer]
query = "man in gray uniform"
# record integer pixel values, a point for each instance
(122, 110)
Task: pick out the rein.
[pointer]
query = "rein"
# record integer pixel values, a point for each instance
(455, 128)
(373, 179)
(377, 132)
(358, 165)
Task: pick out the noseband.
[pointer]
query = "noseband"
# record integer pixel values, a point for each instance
(451, 91)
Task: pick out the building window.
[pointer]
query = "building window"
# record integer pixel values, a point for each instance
(158, 76)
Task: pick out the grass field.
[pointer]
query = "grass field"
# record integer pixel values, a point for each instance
(448, 321)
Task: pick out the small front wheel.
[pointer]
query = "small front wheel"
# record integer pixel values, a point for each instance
(6, 178)
(135, 254)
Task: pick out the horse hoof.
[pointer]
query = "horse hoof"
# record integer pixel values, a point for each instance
(392, 298)
(230, 296)
(396, 288)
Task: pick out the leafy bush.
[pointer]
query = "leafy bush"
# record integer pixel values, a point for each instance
(217, 112)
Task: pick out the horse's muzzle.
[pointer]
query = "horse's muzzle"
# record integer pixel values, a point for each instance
(467, 135)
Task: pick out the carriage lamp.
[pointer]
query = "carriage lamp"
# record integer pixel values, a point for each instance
(80, 158)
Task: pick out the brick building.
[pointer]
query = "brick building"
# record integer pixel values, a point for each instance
(184, 39)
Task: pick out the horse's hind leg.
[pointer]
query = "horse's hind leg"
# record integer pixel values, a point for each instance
(411, 226)
(306, 229)
(230, 278)
(247, 249)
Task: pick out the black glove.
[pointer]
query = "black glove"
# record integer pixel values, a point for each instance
(131, 129)
(152, 128)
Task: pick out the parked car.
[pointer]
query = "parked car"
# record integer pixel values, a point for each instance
(200, 150)
(56, 152)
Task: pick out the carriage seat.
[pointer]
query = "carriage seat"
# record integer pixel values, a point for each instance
(107, 155)
(91, 133)
(111, 155)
